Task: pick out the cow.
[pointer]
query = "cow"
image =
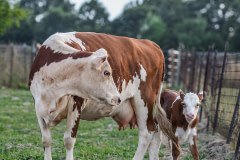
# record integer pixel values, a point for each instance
(182, 111)
(137, 71)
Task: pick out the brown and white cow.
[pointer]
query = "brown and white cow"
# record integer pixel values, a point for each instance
(182, 111)
(137, 71)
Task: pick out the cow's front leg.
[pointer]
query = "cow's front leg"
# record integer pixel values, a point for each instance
(193, 148)
(144, 136)
(73, 117)
(155, 145)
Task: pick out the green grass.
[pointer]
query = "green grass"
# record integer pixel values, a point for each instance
(21, 138)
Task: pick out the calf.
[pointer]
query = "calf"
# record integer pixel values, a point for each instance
(182, 111)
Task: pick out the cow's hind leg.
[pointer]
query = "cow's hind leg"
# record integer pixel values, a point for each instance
(144, 136)
(155, 145)
(73, 117)
(46, 138)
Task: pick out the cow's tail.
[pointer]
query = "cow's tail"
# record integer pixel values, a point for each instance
(164, 124)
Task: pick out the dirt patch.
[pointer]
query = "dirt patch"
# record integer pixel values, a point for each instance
(211, 147)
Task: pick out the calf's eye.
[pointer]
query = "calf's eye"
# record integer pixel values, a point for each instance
(106, 73)
(183, 104)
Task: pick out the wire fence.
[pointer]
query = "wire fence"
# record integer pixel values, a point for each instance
(218, 75)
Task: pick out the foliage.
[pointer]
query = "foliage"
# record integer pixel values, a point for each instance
(153, 28)
(167, 22)
(93, 17)
(10, 15)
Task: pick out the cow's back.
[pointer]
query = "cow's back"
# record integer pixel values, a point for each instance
(126, 56)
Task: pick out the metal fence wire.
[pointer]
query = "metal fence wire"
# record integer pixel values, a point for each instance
(218, 75)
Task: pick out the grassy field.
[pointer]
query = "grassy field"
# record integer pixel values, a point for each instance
(21, 138)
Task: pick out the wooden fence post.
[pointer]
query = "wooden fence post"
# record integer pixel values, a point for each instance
(233, 119)
(205, 82)
(11, 65)
(220, 89)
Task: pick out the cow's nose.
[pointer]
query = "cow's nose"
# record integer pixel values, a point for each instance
(190, 116)
(116, 100)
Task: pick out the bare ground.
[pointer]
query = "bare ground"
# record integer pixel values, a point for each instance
(211, 147)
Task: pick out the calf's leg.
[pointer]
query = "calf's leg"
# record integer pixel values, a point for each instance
(193, 148)
(175, 151)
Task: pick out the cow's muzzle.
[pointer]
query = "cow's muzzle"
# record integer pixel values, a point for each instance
(115, 101)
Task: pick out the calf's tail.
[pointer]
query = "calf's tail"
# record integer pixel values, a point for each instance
(163, 122)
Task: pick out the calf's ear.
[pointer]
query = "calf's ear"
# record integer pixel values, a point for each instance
(181, 94)
(200, 95)
(98, 62)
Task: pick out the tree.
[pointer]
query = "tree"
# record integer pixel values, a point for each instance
(153, 28)
(191, 32)
(130, 22)
(10, 15)
(93, 17)
(55, 20)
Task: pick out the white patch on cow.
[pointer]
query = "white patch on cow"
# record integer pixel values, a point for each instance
(100, 53)
(201, 92)
(178, 97)
(57, 42)
(187, 135)
(143, 73)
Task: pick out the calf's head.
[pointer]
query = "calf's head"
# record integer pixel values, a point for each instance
(190, 103)
(97, 79)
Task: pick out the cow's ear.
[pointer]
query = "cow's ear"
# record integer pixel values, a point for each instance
(98, 62)
(200, 95)
(100, 52)
(181, 94)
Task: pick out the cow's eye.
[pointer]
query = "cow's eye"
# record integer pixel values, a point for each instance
(183, 104)
(106, 73)
(197, 105)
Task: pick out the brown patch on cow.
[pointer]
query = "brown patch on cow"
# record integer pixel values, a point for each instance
(46, 56)
(125, 57)
(78, 105)
(194, 122)
(74, 44)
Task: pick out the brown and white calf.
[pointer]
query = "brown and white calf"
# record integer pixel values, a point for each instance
(66, 63)
(182, 111)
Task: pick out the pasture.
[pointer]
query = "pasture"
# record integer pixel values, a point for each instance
(21, 138)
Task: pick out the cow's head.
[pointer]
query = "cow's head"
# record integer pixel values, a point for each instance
(190, 103)
(97, 79)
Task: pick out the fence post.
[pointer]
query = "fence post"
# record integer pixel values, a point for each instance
(179, 66)
(11, 65)
(233, 119)
(205, 82)
(193, 70)
(220, 89)
(213, 72)
(33, 52)
(237, 147)
(25, 60)
(200, 72)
